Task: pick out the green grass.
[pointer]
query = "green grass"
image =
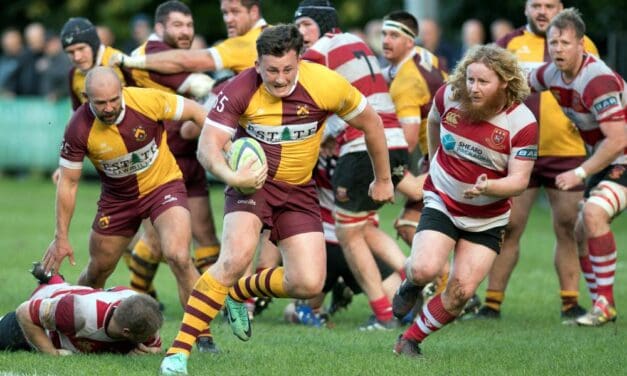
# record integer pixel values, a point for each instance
(529, 339)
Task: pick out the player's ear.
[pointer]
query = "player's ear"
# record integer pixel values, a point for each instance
(257, 68)
(159, 29)
(126, 332)
(84, 94)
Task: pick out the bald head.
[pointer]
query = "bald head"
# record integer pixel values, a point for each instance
(101, 78)
(103, 90)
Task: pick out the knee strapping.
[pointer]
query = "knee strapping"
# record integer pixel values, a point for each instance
(610, 196)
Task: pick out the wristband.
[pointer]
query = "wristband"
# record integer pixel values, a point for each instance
(581, 173)
(134, 61)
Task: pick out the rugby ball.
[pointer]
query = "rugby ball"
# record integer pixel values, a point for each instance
(240, 153)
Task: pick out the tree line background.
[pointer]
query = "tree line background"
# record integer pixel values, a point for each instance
(604, 18)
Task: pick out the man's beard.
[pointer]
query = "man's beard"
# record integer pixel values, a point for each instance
(473, 113)
(535, 29)
(178, 43)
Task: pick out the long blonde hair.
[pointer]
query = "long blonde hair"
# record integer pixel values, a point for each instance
(499, 60)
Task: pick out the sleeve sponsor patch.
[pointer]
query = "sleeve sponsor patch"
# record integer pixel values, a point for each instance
(531, 153)
(605, 104)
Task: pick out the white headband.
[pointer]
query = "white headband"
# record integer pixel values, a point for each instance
(397, 26)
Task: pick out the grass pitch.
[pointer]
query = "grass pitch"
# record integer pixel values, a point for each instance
(529, 339)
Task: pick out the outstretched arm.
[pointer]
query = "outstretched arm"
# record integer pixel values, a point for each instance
(60, 247)
(168, 62)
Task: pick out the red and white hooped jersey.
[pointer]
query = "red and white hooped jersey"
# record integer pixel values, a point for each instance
(75, 317)
(596, 95)
(468, 150)
(348, 55)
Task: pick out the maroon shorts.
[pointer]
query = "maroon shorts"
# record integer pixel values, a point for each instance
(194, 176)
(547, 168)
(123, 217)
(284, 208)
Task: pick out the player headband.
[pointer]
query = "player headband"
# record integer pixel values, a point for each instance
(397, 26)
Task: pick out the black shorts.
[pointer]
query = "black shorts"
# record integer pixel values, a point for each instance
(337, 267)
(615, 173)
(353, 175)
(435, 220)
(11, 335)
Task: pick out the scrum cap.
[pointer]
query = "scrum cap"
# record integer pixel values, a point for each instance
(321, 11)
(80, 30)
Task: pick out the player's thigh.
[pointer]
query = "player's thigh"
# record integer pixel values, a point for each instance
(240, 237)
(521, 207)
(106, 250)
(174, 229)
(150, 236)
(565, 208)
(202, 219)
(304, 259)
(471, 264)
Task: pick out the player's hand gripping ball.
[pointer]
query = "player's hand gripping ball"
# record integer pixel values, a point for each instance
(241, 152)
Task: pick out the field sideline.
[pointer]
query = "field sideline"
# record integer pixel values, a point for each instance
(529, 339)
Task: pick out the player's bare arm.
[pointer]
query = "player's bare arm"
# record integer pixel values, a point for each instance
(411, 132)
(211, 144)
(60, 247)
(168, 62)
(513, 184)
(369, 122)
(194, 112)
(35, 334)
(610, 148)
(433, 131)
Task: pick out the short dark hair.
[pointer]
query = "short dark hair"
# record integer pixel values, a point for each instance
(279, 40)
(164, 10)
(251, 3)
(405, 18)
(569, 18)
(140, 314)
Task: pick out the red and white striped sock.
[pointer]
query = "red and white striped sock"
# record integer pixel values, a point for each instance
(603, 259)
(588, 274)
(432, 318)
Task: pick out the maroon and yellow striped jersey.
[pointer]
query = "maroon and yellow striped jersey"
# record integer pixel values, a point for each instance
(558, 136)
(168, 83)
(413, 84)
(131, 156)
(77, 77)
(238, 53)
(289, 129)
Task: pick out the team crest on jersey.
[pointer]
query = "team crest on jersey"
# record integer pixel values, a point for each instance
(139, 133)
(497, 139)
(576, 103)
(302, 111)
(104, 221)
(451, 118)
(616, 172)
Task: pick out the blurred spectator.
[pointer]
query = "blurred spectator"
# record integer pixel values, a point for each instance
(499, 28)
(374, 40)
(430, 37)
(473, 34)
(199, 42)
(141, 27)
(105, 34)
(359, 33)
(10, 61)
(29, 78)
(53, 68)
